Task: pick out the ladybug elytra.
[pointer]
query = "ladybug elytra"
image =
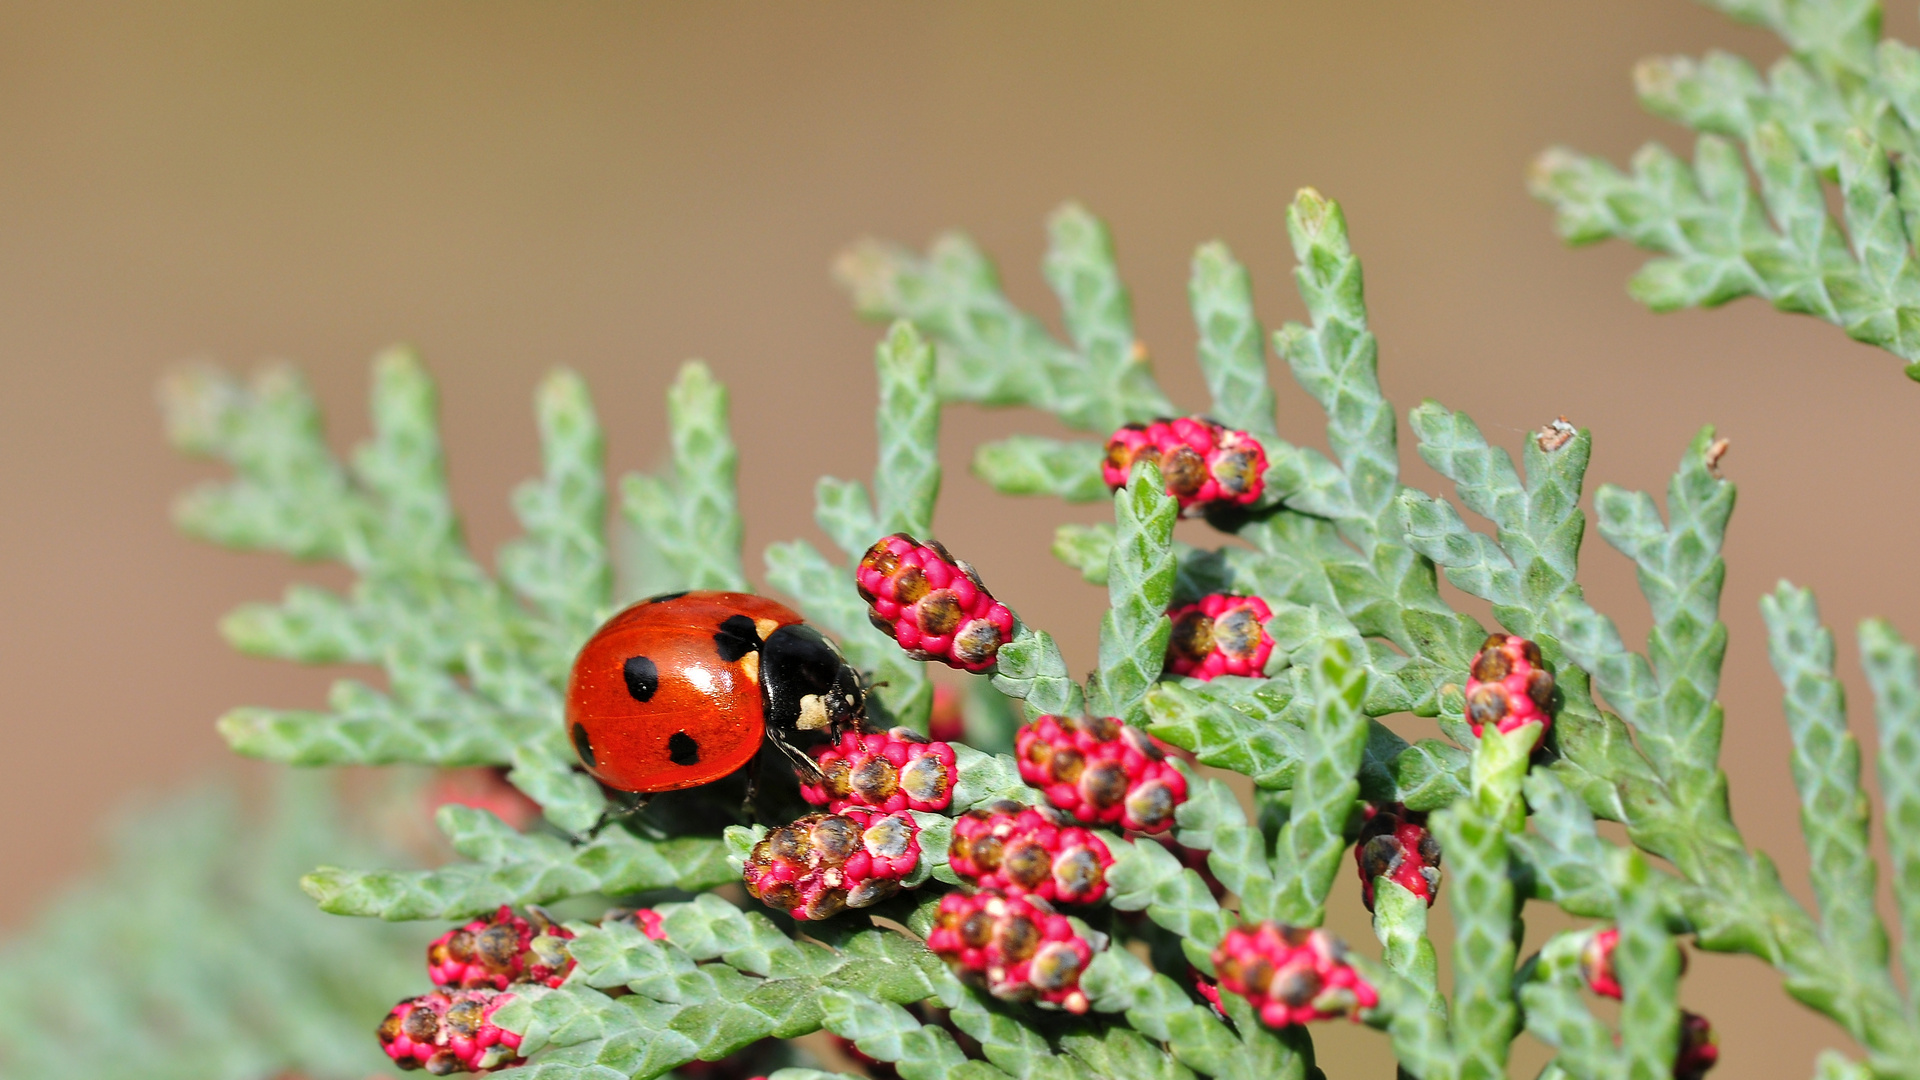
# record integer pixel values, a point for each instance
(681, 690)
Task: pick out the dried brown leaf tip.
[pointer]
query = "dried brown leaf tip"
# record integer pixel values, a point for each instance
(1716, 451)
(1555, 435)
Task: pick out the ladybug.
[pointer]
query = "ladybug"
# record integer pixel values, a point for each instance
(682, 689)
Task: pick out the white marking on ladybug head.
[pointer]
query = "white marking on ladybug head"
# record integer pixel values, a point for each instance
(813, 713)
(750, 664)
(766, 627)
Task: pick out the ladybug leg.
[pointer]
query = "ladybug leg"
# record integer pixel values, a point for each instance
(753, 789)
(626, 805)
(803, 763)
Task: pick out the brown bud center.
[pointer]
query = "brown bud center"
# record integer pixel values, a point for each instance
(1488, 704)
(1018, 937)
(1104, 784)
(421, 1025)
(1295, 984)
(977, 642)
(834, 839)
(909, 585)
(1068, 764)
(1184, 471)
(1151, 804)
(1235, 471)
(875, 780)
(1237, 633)
(1193, 635)
(1055, 967)
(1027, 864)
(938, 612)
(977, 930)
(924, 778)
(1492, 665)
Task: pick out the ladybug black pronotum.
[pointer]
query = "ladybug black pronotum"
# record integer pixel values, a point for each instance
(682, 689)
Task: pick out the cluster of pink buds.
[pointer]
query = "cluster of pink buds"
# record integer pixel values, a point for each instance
(1508, 686)
(1101, 771)
(1698, 1050)
(1395, 844)
(496, 952)
(450, 1031)
(1220, 635)
(1025, 850)
(1018, 946)
(1202, 463)
(823, 864)
(932, 604)
(883, 770)
(1289, 975)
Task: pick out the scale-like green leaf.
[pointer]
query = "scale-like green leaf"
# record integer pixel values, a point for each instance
(1894, 673)
(1335, 361)
(1669, 696)
(1114, 383)
(991, 352)
(1140, 572)
(1086, 548)
(1145, 876)
(1400, 922)
(1836, 110)
(1647, 963)
(1826, 770)
(1030, 465)
(289, 494)
(1030, 668)
(561, 567)
(1195, 719)
(691, 515)
(187, 957)
(1485, 935)
(1557, 1016)
(1539, 520)
(1325, 793)
(1159, 1008)
(1232, 351)
(683, 1006)
(514, 868)
(907, 480)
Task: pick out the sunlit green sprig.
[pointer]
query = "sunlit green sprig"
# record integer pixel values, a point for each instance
(1844, 106)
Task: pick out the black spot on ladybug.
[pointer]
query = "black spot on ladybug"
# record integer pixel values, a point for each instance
(583, 744)
(643, 678)
(663, 597)
(682, 749)
(736, 638)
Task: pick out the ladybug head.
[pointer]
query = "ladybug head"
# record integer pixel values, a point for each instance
(809, 690)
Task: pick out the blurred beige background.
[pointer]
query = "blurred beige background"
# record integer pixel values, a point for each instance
(616, 188)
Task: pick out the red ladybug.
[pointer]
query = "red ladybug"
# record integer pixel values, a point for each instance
(680, 690)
